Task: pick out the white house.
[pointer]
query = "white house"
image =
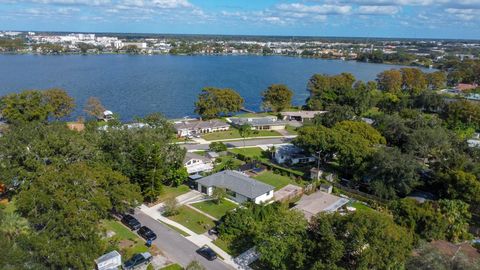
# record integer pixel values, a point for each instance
(290, 154)
(300, 115)
(259, 123)
(195, 163)
(193, 127)
(239, 186)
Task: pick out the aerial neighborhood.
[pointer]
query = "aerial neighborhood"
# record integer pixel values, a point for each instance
(365, 175)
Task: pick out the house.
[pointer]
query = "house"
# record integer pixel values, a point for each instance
(187, 128)
(239, 186)
(326, 188)
(461, 87)
(311, 205)
(300, 116)
(259, 123)
(474, 141)
(195, 163)
(107, 115)
(291, 155)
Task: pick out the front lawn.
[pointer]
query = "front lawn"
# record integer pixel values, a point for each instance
(215, 210)
(129, 242)
(291, 130)
(193, 220)
(251, 152)
(172, 192)
(233, 133)
(276, 180)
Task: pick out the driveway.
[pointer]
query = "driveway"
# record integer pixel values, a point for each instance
(175, 246)
(235, 144)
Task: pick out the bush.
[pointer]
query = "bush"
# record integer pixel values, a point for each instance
(170, 207)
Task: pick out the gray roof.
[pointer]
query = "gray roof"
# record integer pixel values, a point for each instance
(190, 155)
(237, 182)
(108, 256)
(197, 124)
(258, 121)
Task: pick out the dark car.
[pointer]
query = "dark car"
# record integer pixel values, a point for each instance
(207, 252)
(147, 233)
(137, 260)
(131, 222)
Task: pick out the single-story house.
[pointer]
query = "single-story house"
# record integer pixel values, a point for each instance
(109, 261)
(239, 186)
(195, 163)
(311, 205)
(259, 123)
(193, 127)
(300, 115)
(290, 154)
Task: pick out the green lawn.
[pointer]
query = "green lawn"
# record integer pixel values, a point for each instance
(193, 220)
(122, 233)
(175, 229)
(172, 192)
(224, 245)
(361, 206)
(233, 133)
(173, 267)
(276, 180)
(252, 152)
(291, 130)
(215, 210)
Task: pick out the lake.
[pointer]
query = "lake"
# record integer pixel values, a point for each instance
(135, 85)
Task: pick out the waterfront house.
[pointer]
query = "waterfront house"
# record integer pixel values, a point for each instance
(195, 163)
(187, 128)
(259, 123)
(300, 116)
(239, 187)
(291, 155)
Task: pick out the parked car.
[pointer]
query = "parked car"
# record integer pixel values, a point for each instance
(207, 252)
(131, 222)
(147, 233)
(138, 260)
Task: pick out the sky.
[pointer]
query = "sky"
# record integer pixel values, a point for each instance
(350, 18)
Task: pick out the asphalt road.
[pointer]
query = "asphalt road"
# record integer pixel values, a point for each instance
(233, 144)
(175, 246)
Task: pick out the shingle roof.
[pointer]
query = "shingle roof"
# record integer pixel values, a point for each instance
(194, 125)
(237, 182)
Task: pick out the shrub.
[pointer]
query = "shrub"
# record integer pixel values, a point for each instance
(170, 207)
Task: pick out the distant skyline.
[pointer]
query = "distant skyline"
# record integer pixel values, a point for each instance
(352, 18)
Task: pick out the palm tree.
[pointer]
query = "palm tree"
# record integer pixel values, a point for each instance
(245, 130)
(12, 225)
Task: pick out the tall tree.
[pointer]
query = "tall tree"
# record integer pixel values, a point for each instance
(61, 103)
(65, 206)
(94, 107)
(390, 81)
(245, 130)
(277, 97)
(214, 102)
(436, 80)
(325, 90)
(414, 80)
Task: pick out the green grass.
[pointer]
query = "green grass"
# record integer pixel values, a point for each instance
(252, 152)
(172, 192)
(224, 245)
(193, 220)
(224, 160)
(175, 229)
(276, 180)
(233, 133)
(9, 207)
(291, 130)
(360, 206)
(123, 233)
(173, 267)
(215, 210)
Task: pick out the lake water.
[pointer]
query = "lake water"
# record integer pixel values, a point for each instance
(135, 85)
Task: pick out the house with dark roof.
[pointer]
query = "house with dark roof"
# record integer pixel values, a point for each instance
(239, 186)
(195, 127)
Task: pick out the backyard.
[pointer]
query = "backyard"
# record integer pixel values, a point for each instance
(233, 133)
(193, 220)
(276, 180)
(214, 209)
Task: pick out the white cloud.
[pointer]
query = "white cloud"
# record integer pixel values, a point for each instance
(167, 4)
(318, 9)
(463, 14)
(378, 10)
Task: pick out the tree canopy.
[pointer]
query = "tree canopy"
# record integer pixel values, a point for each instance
(277, 97)
(214, 102)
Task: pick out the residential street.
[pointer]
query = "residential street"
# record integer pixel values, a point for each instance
(175, 246)
(234, 144)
